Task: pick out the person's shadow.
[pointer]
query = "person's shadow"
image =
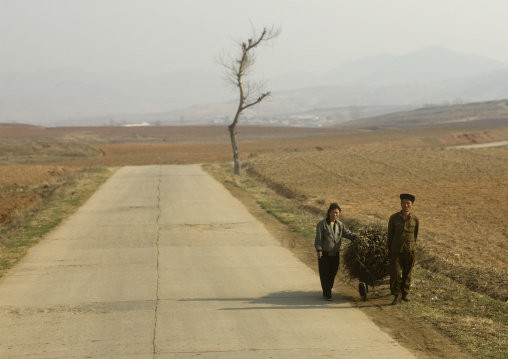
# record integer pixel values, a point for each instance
(279, 300)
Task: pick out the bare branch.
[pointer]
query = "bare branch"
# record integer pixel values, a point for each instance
(237, 70)
(258, 100)
(241, 65)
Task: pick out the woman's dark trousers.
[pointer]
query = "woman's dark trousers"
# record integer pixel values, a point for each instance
(328, 267)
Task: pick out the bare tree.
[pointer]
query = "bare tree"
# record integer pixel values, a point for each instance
(238, 68)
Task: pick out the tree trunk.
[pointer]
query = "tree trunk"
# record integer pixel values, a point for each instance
(236, 155)
(236, 69)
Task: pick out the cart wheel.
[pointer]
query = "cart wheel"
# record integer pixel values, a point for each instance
(363, 290)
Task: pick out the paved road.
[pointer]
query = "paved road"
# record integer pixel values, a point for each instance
(162, 262)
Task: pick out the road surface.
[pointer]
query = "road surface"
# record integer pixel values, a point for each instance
(162, 262)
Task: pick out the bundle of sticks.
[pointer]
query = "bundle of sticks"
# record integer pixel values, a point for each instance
(366, 258)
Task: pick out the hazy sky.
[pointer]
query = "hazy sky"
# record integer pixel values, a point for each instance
(161, 36)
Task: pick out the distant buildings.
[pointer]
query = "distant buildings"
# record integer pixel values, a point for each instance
(137, 124)
(293, 121)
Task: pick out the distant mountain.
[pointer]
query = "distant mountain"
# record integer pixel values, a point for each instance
(433, 64)
(429, 65)
(349, 74)
(487, 86)
(354, 73)
(348, 103)
(492, 85)
(429, 76)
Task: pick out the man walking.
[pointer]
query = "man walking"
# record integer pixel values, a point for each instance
(402, 235)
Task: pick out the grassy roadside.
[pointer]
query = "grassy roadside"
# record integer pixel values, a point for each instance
(29, 227)
(476, 322)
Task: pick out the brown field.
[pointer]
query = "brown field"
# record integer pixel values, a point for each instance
(461, 198)
(35, 159)
(462, 194)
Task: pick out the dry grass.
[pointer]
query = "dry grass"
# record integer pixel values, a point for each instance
(26, 222)
(477, 322)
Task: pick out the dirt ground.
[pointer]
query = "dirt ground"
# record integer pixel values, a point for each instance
(24, 186)
(419, 337)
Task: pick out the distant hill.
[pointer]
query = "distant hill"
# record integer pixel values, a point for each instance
(474, 88)
(350, 103)
(429, 65)
(492, 113)
(373, 85)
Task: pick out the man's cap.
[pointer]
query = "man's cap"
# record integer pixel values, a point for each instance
(407, 196)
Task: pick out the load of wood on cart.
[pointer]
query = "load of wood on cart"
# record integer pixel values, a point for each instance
(366, 258)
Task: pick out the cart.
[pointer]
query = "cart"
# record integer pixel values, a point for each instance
(365, 279)
(366, 259)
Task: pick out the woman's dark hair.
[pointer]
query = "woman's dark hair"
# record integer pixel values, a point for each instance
(331, 208)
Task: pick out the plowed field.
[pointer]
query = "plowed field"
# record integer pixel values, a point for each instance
(462, 194)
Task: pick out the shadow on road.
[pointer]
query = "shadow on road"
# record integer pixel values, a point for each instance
(278, 300)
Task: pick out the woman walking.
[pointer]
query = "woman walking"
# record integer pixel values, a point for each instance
(329, 233)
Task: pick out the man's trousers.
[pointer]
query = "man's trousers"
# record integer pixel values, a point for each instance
(401, 267)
